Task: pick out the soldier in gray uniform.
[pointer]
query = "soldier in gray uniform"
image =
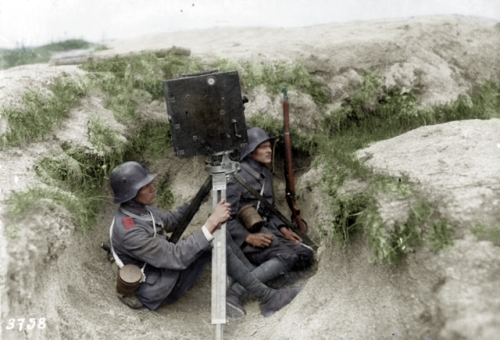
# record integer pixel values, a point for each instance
(274, 243)
(170, 269)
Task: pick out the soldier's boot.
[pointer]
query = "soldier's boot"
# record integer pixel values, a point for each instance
(241, 272)
(279, 300)
(266, 272)
(131, 301)
(271, 300)
(234, 304)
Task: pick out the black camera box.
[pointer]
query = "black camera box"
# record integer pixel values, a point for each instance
(206, 113)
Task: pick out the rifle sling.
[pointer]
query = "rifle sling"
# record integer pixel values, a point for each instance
(275, 211)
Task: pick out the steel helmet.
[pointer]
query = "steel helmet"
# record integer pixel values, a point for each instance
(128, 179)
(256, 136)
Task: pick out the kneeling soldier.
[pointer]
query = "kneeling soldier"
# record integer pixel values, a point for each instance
(171, 269)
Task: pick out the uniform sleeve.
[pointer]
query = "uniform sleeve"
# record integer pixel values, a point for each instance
(159, 252)
(237, 230)
(274, 223)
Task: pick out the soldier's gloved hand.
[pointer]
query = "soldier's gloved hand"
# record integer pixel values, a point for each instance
(259, 240)
(220, 215)
(289, 235)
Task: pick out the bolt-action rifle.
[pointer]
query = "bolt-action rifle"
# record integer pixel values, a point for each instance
(289, 173)
(192, 210)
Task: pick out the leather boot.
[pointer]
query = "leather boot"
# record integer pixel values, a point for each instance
(279, 300)
(234, 305)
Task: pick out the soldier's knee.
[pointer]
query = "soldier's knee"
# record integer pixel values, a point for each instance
(289, 259)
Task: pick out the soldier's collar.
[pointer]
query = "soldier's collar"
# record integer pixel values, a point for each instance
(253, 167)
(135, 207)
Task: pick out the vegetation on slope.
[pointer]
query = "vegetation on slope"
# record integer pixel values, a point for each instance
(370, 115)
(373, 113)
(42, 54)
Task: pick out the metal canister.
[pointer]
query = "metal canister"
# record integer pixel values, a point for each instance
(250, 218)
(128, 279)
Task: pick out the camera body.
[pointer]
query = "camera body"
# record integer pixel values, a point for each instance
(206, 113)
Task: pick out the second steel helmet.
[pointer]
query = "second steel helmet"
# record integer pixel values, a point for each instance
(256, 136)
(128, 179)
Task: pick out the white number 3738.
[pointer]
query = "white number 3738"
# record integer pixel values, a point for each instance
(29, 325)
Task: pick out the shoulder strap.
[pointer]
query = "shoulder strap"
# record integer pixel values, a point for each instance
(115, 256)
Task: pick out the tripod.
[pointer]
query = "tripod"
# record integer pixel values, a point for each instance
(219, 170)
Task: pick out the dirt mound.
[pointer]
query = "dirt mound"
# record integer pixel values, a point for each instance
(52, 270)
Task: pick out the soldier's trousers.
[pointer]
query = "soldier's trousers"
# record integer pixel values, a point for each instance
(238, 266)
(293, 256)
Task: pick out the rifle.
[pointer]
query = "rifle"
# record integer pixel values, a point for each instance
(289, 173)
(306, 240)
(193, 208)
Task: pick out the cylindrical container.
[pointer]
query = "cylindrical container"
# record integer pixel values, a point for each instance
(250, 218)
(128, 279)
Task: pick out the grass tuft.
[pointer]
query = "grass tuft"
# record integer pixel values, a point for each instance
(75, 177)
(20, 203)
(164, 196)
(303, 145)
(101, 135)
(274, 75)
(486, 233)
(346, 222)
(441, 235)
(38, 114)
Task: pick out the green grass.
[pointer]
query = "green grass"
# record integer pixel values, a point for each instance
(441, 235)
(274, 75)
(346, 222)
(19, 203)
(61, 170)
(74, 178)
(304, 145)
(151, 141)
(101, 136)
(164, 196)
(42, 54)
(370, 115)
(374, 114)
(486, 233)
(38, 114)
(391, 245)
(127, 81)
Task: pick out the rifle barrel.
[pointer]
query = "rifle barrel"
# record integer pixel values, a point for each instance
(289, 172)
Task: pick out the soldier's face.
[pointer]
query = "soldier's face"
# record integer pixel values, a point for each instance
(147, 195)
(263, 153)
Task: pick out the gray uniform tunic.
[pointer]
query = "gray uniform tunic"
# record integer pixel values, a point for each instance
(134, 243)
(258, 176)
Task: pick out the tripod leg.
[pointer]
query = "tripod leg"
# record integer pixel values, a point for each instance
(219, 259)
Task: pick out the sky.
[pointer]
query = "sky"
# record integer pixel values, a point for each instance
(37, 22)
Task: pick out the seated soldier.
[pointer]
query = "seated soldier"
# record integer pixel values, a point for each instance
(171, 269)
(273, 243)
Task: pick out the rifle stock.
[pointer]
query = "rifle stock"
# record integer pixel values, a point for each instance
(289, 173)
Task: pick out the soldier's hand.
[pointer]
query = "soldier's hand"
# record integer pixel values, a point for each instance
(220, 215)
(259, 240)
(290, 235)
